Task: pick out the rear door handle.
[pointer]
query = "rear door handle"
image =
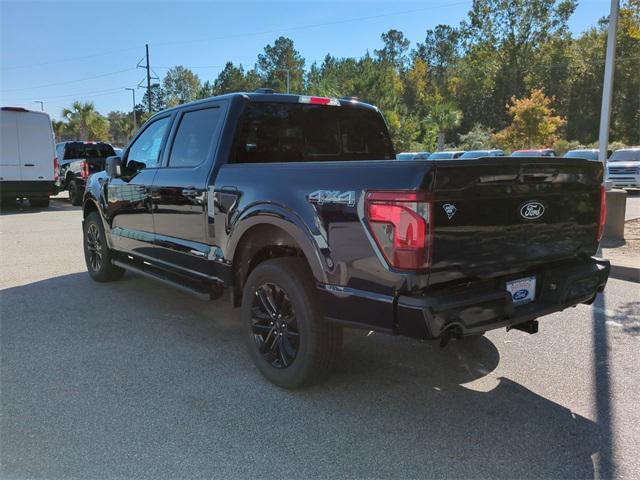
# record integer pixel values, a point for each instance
(29, 165)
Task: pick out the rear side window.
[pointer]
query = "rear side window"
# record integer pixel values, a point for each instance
(194, 137)
(285, 132)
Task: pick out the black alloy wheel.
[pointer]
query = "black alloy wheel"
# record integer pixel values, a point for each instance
(274, 326)
(97, 254)
(290, 341)
(94, 248)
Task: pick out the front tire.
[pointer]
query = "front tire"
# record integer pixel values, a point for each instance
(97, 255)
(289, 340)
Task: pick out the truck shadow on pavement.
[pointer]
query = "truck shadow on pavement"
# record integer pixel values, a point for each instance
(23, 206)
(136, 380)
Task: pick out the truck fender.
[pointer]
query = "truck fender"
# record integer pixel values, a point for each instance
(287, 221)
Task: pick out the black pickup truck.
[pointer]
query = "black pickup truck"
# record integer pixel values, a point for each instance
(296, 206)
(78, 160)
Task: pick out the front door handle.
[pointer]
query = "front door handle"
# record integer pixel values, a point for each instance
(29, 165)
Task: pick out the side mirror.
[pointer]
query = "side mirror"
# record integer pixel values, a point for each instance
(113, 167)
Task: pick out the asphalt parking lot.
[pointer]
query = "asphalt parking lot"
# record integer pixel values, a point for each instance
(135, 380)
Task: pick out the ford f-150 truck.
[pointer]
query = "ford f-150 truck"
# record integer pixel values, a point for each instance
(297, 207)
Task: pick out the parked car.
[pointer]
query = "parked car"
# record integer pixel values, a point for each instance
(77, 161)
(298, 207)
(539, 152)
(27, 156)
(412, 156)
(446, 155)
(588, 153)
(623, 168)
(482, 153)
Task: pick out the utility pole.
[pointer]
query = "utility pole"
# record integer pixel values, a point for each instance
(146, 46)
(41, 104)
(288, 81)
(135, 123)
(147, 67)
(607, 89)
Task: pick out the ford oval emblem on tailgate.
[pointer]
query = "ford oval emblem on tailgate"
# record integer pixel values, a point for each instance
(531, 210)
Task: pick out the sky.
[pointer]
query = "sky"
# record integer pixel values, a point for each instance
(58, 52)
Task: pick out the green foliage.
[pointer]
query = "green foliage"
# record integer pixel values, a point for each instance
(279, 61)
(534, 124)
(395, 49)
(445, 117)
(478, 138)
(84, 122)
(120, 127)
(180, 85)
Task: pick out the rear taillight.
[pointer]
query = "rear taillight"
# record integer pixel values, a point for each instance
(401, 224)
(56, 169)
(603, 212)
(85, 169)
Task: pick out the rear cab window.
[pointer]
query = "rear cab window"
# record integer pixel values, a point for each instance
(291, 132)
(88, 150)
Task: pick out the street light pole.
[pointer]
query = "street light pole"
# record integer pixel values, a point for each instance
(607, 89)
(135, 123)
(41, 104)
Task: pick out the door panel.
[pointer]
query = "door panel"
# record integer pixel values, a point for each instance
(180, 189)
(129, 202)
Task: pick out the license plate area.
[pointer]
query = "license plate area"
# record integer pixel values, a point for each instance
(522, 290)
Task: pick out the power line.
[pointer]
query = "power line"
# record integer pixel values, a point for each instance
(70, 81)
(84, 57)
(314, 25)
(71, 95)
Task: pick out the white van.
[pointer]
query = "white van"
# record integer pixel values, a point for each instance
(28, 167)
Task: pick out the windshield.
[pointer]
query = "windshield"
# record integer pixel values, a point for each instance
(625, 156)
(441, 155)
(475, 154)
(588, 154)
(292, 132)
(88, 150)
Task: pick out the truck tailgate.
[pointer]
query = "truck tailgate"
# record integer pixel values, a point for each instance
(495, 216)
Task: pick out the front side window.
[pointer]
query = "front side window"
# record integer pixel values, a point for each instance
(145, 150)
(194, 138)
(286, 132)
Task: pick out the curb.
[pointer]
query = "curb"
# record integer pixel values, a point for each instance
(621, 272)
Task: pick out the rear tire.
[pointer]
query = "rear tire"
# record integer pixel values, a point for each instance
(39, 202)
(75, 195)
(97, 255)
(289, 340)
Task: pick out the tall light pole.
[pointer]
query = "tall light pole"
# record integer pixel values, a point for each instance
(41, 104)
(607, 88)
(288, 72)
(133, 92)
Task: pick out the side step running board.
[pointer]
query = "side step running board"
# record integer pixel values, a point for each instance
(200, 294)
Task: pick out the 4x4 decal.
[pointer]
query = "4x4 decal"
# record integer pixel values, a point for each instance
(333, 196)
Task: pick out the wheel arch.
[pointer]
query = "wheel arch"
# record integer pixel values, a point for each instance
(265, 237)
